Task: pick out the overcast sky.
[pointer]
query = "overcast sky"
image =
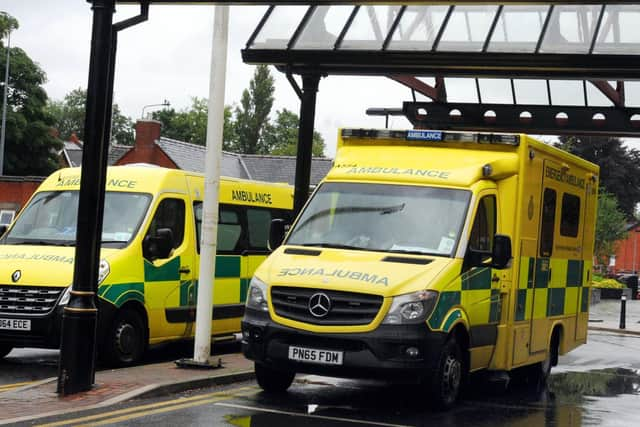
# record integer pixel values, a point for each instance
(168, 57)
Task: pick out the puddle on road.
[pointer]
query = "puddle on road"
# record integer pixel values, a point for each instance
(598, 383)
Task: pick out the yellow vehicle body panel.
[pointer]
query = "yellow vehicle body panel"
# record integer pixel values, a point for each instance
(508, 314)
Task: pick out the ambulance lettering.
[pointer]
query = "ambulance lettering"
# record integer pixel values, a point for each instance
(251, 197)
(342, 274)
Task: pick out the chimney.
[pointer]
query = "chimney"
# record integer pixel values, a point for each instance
(147, 132)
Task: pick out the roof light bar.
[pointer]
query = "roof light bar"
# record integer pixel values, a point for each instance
(432, 136)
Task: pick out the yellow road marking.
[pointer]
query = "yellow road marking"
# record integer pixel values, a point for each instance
(153, 408)
(6, 387)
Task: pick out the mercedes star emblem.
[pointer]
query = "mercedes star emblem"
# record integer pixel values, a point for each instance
(319, 305)
(16, 276)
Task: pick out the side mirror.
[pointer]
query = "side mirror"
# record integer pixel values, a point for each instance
(276, 233)
(501, 254)
(158, 246)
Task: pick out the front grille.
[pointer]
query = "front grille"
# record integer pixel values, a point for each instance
(34, 300)
(347, 308)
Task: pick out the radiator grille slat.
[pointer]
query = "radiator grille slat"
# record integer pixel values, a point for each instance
(347, 308)
(33, 300)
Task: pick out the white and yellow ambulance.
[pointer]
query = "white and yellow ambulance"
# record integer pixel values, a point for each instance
(148, 277)
(429, 255)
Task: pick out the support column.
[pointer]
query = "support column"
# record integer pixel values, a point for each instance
(310, 84)
(76, 369)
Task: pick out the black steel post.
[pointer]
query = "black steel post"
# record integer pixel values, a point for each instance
(623, 312)
(305, 140)
(76, 370)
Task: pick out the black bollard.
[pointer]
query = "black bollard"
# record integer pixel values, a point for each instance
(623, 312)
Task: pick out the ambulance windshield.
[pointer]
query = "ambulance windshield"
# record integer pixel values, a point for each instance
(51, 217)
(383, 217)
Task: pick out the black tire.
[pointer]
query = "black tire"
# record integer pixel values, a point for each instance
(4, 350)
(537, 374)
(125, 342)
(446, 383)
(272, 380)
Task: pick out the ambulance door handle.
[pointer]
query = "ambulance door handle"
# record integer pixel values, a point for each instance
(184, 270)
(495, 278)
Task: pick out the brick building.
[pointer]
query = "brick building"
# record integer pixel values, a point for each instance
(627, 258)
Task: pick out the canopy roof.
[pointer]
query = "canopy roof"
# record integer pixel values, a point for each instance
(542, 52)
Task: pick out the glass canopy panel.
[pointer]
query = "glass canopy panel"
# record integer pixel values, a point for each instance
(467, 28)
(418, 28)
(370, 27)
(279, 28)
(571, 29)
(461, 89)
(324, 27)
(567, 92)
(518, 29)
(620, 30)
(595, 98)
(495, 91)
(529, 91)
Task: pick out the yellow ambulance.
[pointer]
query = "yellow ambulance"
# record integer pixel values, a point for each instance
(148, 276)
(429, 255)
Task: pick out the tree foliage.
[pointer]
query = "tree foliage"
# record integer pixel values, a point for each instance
(190, 124)
(610, 226)
(69, 116)
(282, 136)
(252, 115)
(619, 166)
(30, 149)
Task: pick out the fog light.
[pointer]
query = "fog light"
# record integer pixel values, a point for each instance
(412, 352)
(256, 334)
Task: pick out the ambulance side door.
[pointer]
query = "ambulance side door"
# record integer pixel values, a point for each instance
(169, 279)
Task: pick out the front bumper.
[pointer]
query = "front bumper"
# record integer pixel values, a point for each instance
(381, 353)
(45, 331)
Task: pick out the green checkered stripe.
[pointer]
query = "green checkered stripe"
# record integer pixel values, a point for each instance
(535, 275)
(120, 293)
(475, 287)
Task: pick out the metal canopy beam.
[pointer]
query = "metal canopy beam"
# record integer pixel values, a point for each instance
(536, 119)
(450, 64)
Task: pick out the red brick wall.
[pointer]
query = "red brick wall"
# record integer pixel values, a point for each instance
(15, 191)
(145, 149)
(625, 252)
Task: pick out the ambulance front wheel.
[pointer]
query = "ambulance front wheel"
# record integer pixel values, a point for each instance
(445, 384)
(4, 350)
(125, 342)
(272, 380)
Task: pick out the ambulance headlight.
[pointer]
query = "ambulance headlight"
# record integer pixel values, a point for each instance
(415, 307)
(64, 300)
(257, 295)
(103, 271)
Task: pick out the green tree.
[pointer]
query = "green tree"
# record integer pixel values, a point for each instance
(190, 124)
(610, 226)
(30, 149)
(69, 117)
(252, 116)
(281, 137)
(619, 166)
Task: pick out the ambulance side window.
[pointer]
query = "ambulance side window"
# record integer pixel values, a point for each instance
(570, 215)
(484, 225)
(259, 221)
(229, 228)
(547, 222)
(169, 214)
